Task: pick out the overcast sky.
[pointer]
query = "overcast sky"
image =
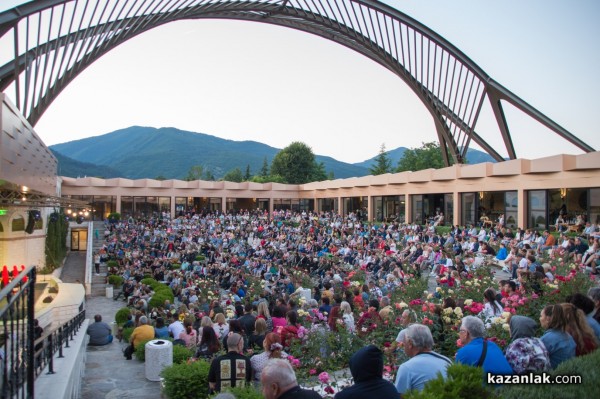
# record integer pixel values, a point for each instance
(252, 81)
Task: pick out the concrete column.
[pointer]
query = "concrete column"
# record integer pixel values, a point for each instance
(522, 206)
(224, 204)
(340, 206)
(172, 210)
(407, 207)
(457, 208)
(369, 208)
(118, 203)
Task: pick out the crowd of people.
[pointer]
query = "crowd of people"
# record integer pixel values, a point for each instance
(304, 261)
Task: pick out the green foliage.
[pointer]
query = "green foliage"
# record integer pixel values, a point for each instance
(181, 353)
(296, 164)
(152, 283)
(441, 230)
(234, 175)
(429, 155)
(160, 178)
(56, 240)
(383, 164)
(186, 381)
(195, 173)
(115, 280)
(267, 179)
(140, 350)
(127, 333)
(247, 175)
(112, 263)
(159, 298)
(264, 171)
(584, 366)
(114, 216)
(249, 392)
(200, 258)
(462, 382)
(121, 315)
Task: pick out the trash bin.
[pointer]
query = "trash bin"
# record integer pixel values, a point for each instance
(109, 291)
(115, 328)
(159, 354)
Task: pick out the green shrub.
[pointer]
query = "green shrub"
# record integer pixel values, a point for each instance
(152, 283)
(112, 263)
(115, 280)
(127, 333)
(441, 230)
(159, 298)
(186, 380)
(200, 258)
(584, 366)
(114, 216)
(249, 392)
(181, 353)
(140, 350)
(121, 315)
(175, 266)
(462, 382)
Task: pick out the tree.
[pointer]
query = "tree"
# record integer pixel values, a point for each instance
(247, 175)
(234, 175)
(195, 173)
(429, 155)
(296, 164)
(383, 164)
(160, 177)
(209, 176)
(264, 171)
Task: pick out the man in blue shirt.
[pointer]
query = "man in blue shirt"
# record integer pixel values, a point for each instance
(471, 334)
(424, 364)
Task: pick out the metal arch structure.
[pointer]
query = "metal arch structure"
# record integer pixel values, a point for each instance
(55, 40)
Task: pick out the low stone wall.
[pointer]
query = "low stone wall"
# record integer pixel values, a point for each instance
(69, 370)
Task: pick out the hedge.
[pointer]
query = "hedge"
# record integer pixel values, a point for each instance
(584, 366)
(184, 381)
(121, 315)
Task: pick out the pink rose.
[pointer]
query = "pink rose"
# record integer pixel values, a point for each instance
(324, 377)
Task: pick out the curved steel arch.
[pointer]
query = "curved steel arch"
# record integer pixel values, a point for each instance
(55, 40)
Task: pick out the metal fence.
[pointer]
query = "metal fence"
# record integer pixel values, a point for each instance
(25, 350)
(17, 336)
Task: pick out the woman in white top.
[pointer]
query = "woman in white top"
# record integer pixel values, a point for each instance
(273, 350)
(221, 326)
(348, 317)
(492, 308)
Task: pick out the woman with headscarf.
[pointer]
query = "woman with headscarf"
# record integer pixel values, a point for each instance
(526, 352)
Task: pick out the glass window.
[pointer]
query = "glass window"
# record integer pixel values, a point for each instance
(468, 204)
(126, 207)
(511, 206)
(18, 224)
(536, 216)
(595, 206)
(417, 209)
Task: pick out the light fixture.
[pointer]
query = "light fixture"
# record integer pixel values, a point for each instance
(481, 195)
(563, 193)
(68, 211)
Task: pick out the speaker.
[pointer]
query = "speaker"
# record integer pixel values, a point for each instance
(30, 223)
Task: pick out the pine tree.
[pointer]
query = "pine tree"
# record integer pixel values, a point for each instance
(383, 164)
(264, 171)
(247, 175)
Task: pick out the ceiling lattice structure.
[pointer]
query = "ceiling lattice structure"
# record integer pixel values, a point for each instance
(55, 40)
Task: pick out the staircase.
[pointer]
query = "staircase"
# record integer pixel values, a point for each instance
(98, 282)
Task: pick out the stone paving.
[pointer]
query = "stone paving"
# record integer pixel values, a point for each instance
(107, 373)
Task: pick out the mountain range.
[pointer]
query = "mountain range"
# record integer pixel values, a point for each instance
(144, 152)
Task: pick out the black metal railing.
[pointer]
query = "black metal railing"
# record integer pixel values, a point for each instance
(53, 342)
(17, 336)
(23, 355)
